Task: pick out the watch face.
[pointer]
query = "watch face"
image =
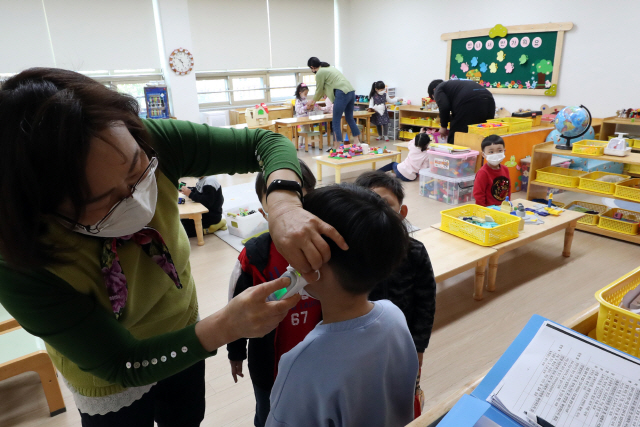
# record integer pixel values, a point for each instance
(181, 61)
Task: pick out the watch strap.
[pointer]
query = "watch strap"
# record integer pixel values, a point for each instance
(283, 184)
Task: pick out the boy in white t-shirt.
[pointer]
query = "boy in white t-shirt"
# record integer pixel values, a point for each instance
(358, 366)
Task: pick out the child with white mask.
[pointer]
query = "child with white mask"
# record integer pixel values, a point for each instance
(378, 99)
(492, 185)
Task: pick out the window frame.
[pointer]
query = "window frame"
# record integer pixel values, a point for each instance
(264, 88)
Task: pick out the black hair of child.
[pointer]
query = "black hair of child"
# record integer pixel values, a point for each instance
(316, 63)
(371, 229)
(301, 88)
(379, 179)
(422, 140)
(375, 87)
(492, 140)
(308, 181)
(432, 87)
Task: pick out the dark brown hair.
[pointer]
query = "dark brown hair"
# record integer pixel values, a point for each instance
(49, 116)
(308, 181)
(369, 226)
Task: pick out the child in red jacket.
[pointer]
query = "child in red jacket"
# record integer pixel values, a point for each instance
(261, 262)
(492, 184)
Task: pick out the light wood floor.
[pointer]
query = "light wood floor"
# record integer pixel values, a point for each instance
(468, 335)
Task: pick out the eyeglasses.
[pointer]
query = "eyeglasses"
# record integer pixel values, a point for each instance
(95, 229)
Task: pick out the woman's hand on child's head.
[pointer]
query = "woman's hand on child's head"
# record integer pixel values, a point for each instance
(236, 369)
(297, 235)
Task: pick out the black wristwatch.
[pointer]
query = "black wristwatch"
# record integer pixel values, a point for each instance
(282, 184)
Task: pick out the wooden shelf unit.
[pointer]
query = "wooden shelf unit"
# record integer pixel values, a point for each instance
(541, 158)
(409, 111)
(609, 125)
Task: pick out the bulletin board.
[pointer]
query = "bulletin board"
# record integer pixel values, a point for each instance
(515, 60)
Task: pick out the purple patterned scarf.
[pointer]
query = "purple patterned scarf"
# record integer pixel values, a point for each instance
(152, 243)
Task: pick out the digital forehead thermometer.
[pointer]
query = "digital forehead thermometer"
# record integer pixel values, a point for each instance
(296, 285)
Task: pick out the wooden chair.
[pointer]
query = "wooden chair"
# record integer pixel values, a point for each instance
(21, 352)
(6, 321)
(310, 138)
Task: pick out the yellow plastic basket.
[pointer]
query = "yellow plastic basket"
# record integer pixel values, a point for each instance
(516, 124)
(507, 230)
(407, 121)
(616, 326)
(589, 219)
(632, 168)
(423, 122)
(629, 189)
(590, 182)
(559, 176)
(589, 147)
(608, 222)
(486, 131)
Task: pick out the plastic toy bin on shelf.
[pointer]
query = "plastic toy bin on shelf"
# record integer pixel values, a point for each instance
(486, 129)
(454, 165)
(588, 219)
(452, 191)
(407, 121)
(628, 224)
(423, 122)
(516, 124)
(590, 182)
(507, 230)
(559, 176)
(629, 189)
(589, 147)
(245, 226)
(616, 326)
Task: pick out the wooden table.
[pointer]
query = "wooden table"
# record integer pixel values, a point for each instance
(193, 210)
(322, 118)
(552, 224)
(451, 255)
(270, 125)
(402, 146)
(339, 163)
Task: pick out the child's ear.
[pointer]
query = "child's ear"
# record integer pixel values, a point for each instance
(404, 210)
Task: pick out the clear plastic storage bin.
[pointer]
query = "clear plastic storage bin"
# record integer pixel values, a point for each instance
(455, 165)
(452, 191)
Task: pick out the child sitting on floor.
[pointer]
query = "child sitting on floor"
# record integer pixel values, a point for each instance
(261, 262)
(207, 192)
(492, 185)
(418, 158)
(412, 286)
(358, 366)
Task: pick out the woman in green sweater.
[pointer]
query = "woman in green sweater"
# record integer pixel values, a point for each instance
(94, 260)
(331, 82)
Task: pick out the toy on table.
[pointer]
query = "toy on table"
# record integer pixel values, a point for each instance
(257, 116)
(378, 150)
(182, 184)
(181, 200)
(486, 222)
(345, 152)
(506, 206)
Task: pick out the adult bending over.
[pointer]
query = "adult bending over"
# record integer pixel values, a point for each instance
(461, 102)
(331, 82)
(95, 261)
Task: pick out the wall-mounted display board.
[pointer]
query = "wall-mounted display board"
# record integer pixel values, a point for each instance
(517, 60)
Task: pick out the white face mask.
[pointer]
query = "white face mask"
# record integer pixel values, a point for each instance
(132, 214)
(381, 92)
(494, 159)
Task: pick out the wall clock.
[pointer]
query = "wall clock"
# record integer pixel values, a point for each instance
(181, 61)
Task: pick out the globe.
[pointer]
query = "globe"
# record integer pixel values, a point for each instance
(572, 121)
(555, 137)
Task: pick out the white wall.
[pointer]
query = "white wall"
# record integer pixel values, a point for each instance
(399, 42)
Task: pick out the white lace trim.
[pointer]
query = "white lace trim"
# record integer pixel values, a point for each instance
(112, 403)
